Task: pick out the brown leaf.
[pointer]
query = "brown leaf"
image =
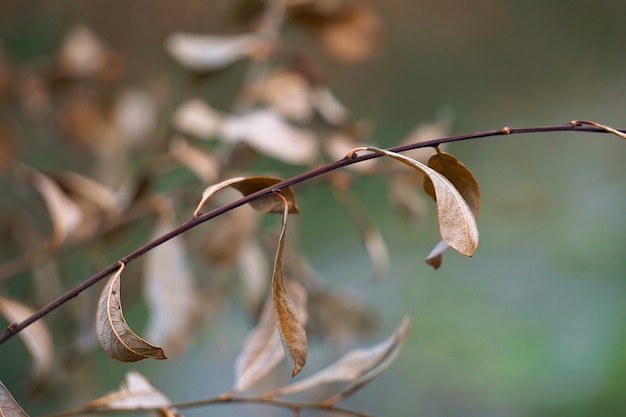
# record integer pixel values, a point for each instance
(289, 93)
(267, 132)
(250, 185)
(457, 223)
(93, 191)
(116, 338)
(203, 164)
(169, 289)
(210, 52)
(463, 180)
(358, 366)
(135, 393)
(36, 337)
(196, 118)
(290, 323)
(64, 213)
(262, 349)
(82, 53)
(8, 406)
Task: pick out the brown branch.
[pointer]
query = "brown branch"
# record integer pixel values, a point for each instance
(14, 328)
(226, 400)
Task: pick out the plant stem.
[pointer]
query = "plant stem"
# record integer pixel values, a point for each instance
(14, 328)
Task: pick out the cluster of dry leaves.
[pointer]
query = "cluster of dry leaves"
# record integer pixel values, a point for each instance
(284, 111)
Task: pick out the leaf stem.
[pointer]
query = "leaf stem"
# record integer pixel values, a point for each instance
(14, 328)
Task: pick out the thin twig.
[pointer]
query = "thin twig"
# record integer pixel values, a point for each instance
(225, 400)
(14, 328)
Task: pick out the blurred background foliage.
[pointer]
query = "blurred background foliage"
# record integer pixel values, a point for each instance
(533, 324)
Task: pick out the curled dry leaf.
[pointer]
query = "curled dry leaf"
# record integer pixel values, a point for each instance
(463, 180)
(8, 406)
(262, 350)
(203, 164)
(250, 185)
(135, 393)
(457, 223)
(116, 338)
(357, 367)
(64, 213)
(196, 118)
(210, 53)
(169, 290)
(290, 323)
(268, 133)
(36, 337)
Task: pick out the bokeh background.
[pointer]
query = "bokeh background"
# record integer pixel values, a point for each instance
(534, 324)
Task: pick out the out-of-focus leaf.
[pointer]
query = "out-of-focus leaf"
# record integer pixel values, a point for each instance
(267, 132)
(262, 349)
(250, 185)
(196, 118)
(353, 35)
(116, 338)
(93, 191)
(169, 289)
(339, 144)
(290, 323)
(135, 393)
(135, 116)
(254, 275)
(329, 107)
(357, 367)
(457, 223)
(427, 131)
(203, 164)
(463, 180)
(207, 52)
(373, 240)
(289, 93)
(404, 195)
(8, 406)
(82, 53)
(64, 213)
(36, 337)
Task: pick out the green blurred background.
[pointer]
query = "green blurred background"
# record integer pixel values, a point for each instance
(535, 323)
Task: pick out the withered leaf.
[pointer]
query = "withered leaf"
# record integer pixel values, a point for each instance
(267, 132)
(288, 92)
(357, 367)
(195, 117)
(93, 191)
(8, 406)
(82, 53)
(290, 324)
(463, 180)
(169, 289)
(202, 163)
(262, 349)
(457, 224)
(210, 52)
(36, 337)
(135, 393)
(116, 338)
(64, 213)
(250, 185)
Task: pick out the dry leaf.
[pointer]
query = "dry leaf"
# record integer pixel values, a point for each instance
(290, 323)
(135, 393)
(262, 350)
(135, 116)
(82, 54)
(250, 185)
(93, 191)
(210, 53)
(169, 289)
(358, 366)
(203, 164)
(116, 338)
(329, 107)
(36, 337)
(8, 406)
(353, 35)
(64, 213)
(464, 181)
(268, 133)
(289, 93)
(457, 223)
(337, 145)
(196, 118)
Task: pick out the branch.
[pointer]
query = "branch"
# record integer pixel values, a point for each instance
(574, 126)
(225, 399)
